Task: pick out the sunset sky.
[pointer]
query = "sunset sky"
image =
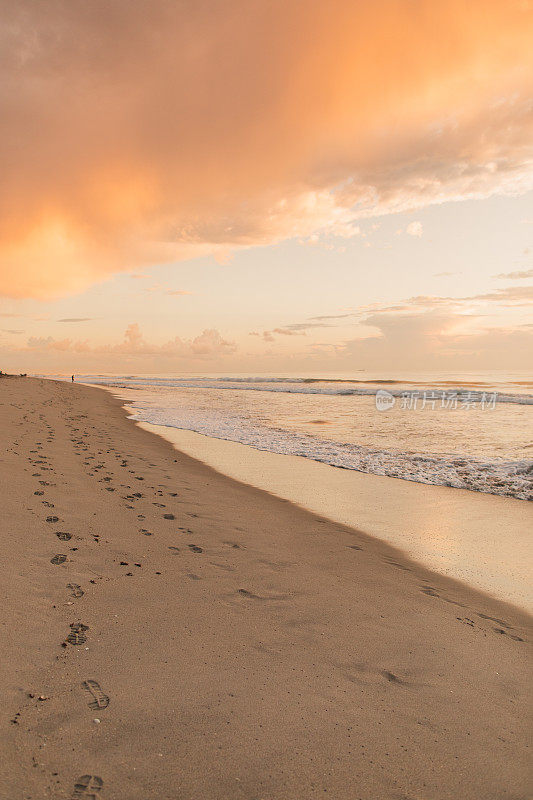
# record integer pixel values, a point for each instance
(266, 186)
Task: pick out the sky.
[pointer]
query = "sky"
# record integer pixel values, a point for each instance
(266, 186)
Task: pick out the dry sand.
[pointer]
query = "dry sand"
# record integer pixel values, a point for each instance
(245, 649)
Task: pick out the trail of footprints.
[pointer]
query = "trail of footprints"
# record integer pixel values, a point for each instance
(86, 786)
(503, 628)
(90, 786)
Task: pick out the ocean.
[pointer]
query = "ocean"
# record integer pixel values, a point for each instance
(465, 431)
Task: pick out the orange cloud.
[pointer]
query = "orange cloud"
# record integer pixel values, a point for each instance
(150, 131)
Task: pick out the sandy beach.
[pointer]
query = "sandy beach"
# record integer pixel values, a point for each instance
(170, 633)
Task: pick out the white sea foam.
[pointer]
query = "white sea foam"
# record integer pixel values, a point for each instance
(499, 476)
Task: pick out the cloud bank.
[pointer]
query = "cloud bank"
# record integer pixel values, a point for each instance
(208, 344)
(138, 132)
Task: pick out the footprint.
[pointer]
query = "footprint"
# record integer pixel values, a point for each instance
(493, 619)
(52, 519)
(502, 632)
(195, 548)
(169, 516)
(246, 593)
(225, 567)
(75, 590)
(362, 673)
(100, 700)
(392, 678)
(38, 493)
(394, 563)
(63, 536)
(60, 558)
(87, 787)
(431, 592)
(77, 633)
(252, 596)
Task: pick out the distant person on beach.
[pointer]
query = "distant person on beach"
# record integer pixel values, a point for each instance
(72, 378)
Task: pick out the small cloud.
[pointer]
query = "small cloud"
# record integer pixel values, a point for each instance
(333, 316)
(76, 319)
(289, 331)
(516, 276)
(303, 326)
(444, 274)
(177, 292)
(7, 330)
(414, 229)
(48, 343)
(139, 277)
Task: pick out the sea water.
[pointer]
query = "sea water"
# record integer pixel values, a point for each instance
(465, 431)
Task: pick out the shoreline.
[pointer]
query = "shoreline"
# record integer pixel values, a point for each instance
(246, 647)
(450, 531)
(479, 452)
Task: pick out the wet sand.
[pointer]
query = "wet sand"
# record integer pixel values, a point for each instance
(451, 531)
(170, 633)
